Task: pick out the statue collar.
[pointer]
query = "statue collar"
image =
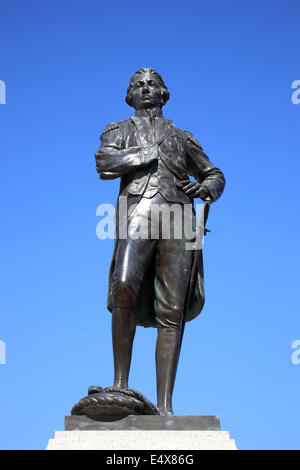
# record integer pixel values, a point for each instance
(153, 112)
(141, 114)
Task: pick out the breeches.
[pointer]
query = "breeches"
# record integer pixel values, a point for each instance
(172, 266)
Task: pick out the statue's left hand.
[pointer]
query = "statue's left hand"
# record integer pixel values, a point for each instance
(193, 189)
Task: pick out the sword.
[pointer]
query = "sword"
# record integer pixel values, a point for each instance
(204, 217)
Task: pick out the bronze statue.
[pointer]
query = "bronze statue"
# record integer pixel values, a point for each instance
(154, 281)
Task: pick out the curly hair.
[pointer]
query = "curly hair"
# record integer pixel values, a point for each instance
(164, 90)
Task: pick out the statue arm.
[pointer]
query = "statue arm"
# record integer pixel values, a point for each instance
(210, 178)
(114, 161)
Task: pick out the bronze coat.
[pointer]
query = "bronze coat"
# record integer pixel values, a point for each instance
(123, 154)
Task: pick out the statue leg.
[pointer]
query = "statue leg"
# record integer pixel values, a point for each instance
(166, 356)
(171, 286)
(133, 258)
(123, 331)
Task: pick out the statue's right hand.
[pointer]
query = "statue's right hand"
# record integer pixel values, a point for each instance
(150, 152)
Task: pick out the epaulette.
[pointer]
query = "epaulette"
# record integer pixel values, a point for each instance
(125, 120)
(193, 139)
(110, 127)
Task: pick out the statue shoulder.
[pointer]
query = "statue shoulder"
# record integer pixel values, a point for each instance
(190, 138)
(178, 130)
(174, 129)
(113, 126)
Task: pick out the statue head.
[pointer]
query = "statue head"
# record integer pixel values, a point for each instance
(147, 90)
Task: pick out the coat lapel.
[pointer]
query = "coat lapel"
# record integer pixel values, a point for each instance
(145, 136)
(142, 127)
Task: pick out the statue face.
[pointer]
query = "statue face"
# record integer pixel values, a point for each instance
(146, 92)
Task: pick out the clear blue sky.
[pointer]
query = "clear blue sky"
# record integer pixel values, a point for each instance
(229, 66)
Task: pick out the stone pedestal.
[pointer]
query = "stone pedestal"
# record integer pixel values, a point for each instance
(143, 433)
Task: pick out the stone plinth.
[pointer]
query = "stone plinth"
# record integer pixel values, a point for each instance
(145, 423)
(143, 433)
